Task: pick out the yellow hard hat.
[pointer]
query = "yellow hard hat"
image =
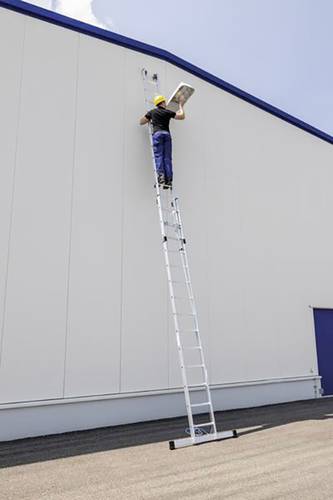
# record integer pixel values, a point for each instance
(158, 99)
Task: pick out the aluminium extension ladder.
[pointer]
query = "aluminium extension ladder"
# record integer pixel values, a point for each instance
(191, 356)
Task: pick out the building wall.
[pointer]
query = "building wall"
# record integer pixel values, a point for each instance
(83, 295)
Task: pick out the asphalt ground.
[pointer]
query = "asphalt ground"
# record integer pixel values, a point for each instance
(282, 452)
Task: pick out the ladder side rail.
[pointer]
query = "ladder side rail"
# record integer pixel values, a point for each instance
(202, 358)
(187, 274)
(186, 270)
(178, 330)
(175, 320)
(150, 129)
(151, 88)
(196, 323)
(169, 274)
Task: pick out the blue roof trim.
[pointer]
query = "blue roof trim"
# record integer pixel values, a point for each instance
(87, 29)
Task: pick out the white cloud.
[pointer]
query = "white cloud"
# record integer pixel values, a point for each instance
(46, 4)
(80, 9)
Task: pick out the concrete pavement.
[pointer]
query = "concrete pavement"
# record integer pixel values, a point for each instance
(283, 452)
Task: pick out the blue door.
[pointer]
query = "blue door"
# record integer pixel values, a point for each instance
(323, 319)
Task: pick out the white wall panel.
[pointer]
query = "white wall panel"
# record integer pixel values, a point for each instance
(264, 275)
(144, 328)
(93, 348)
(11, 51)
(34, 335)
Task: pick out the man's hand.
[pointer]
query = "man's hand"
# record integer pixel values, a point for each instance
(144, 120)
(180, 115)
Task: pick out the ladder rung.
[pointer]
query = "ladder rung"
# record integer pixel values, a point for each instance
(202, 404)
(173, 230)
(171, 224)
(180, 282)
(204, 425)
(202, 384)
(177, 251)
(173, 238)
(195, 366)
(192, 347)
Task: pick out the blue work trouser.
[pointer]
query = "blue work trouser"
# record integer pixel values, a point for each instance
(163, 153)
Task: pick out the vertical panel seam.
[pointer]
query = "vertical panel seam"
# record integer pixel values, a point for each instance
(207, 260)
(71, 213)
(11, 217)
(122, 226)
(314, 341)
(167, 298)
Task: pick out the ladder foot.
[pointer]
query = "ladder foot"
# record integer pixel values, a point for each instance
(172, 445)
(206, 438)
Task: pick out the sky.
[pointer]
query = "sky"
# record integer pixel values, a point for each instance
(277, 50)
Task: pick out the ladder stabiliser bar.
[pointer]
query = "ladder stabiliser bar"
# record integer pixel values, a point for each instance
(205, 438)
(193, 371)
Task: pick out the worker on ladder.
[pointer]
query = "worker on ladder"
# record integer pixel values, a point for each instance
(160, 118)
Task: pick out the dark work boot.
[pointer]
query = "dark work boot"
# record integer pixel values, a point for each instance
(168, 184)
(160, 179)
